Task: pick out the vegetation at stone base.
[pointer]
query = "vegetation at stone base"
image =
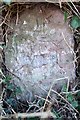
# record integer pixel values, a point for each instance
(66, 106)
(61, 108)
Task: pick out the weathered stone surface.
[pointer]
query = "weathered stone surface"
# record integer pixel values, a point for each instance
(37, 52)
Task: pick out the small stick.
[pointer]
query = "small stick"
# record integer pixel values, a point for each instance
(65, 101)
(17, 15)
(5, 18)
(30, 115)
(75, 7)
(43, 99)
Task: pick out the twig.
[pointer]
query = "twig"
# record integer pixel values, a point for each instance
(75, 7)
(50, 91)
(67, 87)
(59, 79)
(48, 96)
(60, 3)
(1, 96)
(43, 98)
(67, 43)
(10, 107)
(75, 58)
(72, 9)
(36, 106)
(5, 18)
(17, 15)
(65, 101)
(72, 92)
(9, 26)
(1, 73)
(30, 115)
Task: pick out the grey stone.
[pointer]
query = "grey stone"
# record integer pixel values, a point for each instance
(37, 52)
